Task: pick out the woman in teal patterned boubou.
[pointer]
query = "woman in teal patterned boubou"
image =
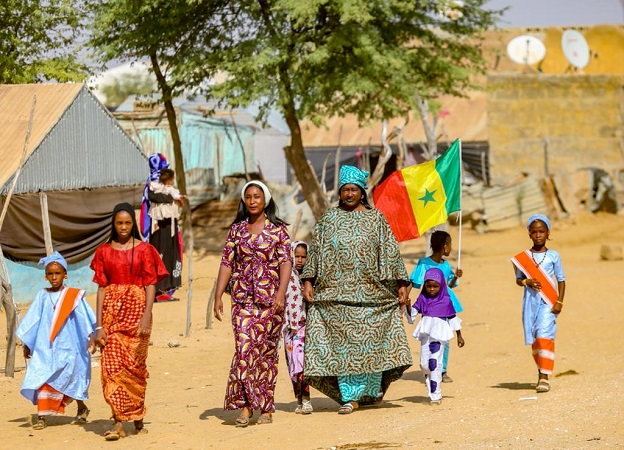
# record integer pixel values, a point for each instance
(355, 283)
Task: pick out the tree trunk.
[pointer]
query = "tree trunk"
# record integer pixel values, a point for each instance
(311, 188)
(187, 223)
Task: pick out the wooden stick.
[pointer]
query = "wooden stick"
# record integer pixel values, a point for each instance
(297, 223)
(337, 161)
(210, 306)
(45, 219)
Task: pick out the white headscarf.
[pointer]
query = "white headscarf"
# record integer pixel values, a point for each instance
(265, 190)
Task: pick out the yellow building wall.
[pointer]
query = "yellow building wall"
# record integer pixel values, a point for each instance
(579, 116)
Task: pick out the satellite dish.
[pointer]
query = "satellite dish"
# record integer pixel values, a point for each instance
(526, 49)
(575, 48)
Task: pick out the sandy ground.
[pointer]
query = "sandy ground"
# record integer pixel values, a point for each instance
(490, 404)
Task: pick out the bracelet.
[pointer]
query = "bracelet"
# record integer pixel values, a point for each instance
(524, 282)
(560, 302)
(99, 328)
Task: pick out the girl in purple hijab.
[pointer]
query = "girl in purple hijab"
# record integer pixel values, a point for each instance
(435, 329)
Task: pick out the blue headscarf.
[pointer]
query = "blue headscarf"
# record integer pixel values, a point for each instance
(352, 175)
(54, 257)
(157, 162)
(540, 217)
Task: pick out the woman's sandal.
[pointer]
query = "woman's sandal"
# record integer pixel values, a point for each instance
(348, 408)
(115, 433)
(543, 385)
(265, 418)
(81, 417)
(242, 421)
(40, 424)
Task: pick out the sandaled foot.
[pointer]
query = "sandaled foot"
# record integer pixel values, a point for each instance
(115, 433)
(243, 420)
(40, 424)
(543, 385)
(299, 409)
(436, 402)
(81, 417)
(446, 378)
(348, 408)
(265, 418)
(306, 407)
(141, 430)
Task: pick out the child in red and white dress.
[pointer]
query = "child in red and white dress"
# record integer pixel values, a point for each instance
(294, 329)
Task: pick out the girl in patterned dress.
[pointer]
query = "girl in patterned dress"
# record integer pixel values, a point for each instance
(294, 330)
(126, 272)
(435, 329)
(256, 263)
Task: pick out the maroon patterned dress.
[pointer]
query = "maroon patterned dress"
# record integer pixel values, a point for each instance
(255, 260)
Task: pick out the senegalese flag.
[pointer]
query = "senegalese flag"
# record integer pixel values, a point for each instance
(421, 196)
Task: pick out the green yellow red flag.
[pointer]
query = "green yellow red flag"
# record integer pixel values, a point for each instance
(421, 196)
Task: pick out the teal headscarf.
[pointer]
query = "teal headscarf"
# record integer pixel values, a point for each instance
(352, 175)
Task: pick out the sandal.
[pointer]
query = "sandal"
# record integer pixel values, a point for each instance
(543, 385)
(348, 408)
(242, 421)
(40, 424)
(306, 407)
(265, 418)
(140, 431)
(299, 409)
(81, 417)
(115, 433)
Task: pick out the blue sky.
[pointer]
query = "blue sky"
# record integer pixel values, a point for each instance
(563, 13)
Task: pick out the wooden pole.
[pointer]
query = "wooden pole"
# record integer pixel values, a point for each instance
(210, 306)
(45, 218)
(297, 223)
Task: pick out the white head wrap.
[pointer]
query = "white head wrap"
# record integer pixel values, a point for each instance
(265, 190)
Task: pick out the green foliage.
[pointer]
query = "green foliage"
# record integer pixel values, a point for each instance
(319, 58)
(178, 33)
(37, 41)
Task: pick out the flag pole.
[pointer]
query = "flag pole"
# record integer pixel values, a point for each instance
(459, 237)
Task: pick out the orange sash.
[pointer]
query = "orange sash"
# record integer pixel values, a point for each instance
(70, 297)
(527, 266)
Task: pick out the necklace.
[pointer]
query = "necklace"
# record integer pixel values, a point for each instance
(537, 264)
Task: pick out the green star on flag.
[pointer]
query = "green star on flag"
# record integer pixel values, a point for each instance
(428, 197)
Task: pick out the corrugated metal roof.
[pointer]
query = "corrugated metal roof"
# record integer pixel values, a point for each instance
(75, 142)
(15, 106)
(465, 118)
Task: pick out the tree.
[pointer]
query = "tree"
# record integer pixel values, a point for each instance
(171, 34)
(320, 58)
(37, 40)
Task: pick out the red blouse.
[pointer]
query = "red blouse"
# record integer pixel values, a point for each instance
(112, 266)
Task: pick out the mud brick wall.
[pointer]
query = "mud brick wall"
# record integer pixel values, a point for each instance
(581, 117)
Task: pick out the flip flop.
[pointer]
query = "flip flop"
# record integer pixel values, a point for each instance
(39, 424)
(114, 434)
(347, 408)
(543, 385)
(242, 421)
(81, 417)
(264, 419)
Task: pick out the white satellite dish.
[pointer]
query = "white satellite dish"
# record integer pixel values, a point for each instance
(526, 49)
(575, 48)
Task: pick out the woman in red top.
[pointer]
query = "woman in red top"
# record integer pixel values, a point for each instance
(126, 270)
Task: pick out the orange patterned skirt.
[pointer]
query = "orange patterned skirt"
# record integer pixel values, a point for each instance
(124, 367)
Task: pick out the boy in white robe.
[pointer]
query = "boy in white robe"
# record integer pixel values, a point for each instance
(57, 334)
